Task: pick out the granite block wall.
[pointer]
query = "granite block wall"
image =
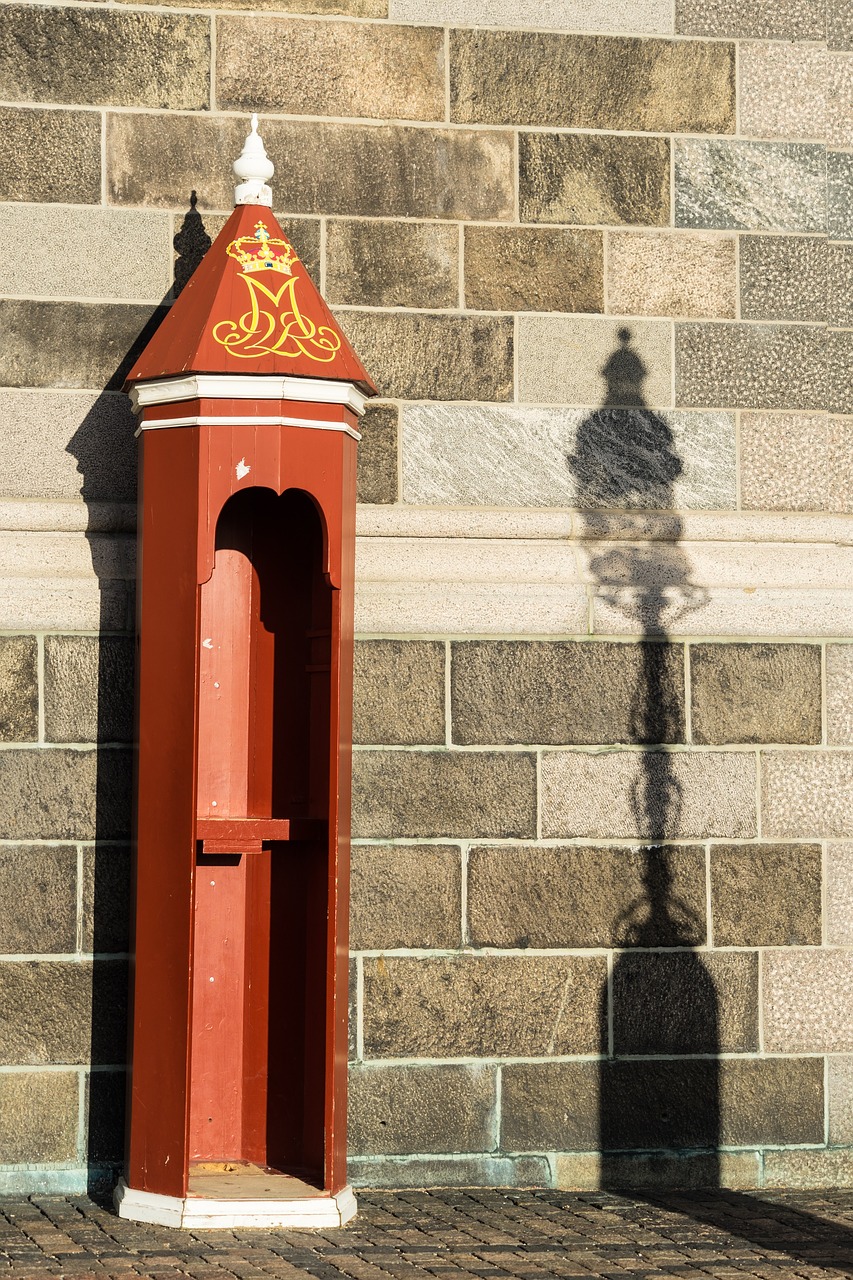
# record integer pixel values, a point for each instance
(598, 259)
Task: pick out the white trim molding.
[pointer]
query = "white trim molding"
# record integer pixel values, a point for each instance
(234, 386)
(198, 1212)
(252, 420)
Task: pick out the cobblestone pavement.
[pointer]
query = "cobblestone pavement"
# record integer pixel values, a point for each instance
(455, 1234)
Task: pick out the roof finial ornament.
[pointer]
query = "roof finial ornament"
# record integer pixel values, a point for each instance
(254, 167)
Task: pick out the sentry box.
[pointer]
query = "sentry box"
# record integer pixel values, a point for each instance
(248, 398)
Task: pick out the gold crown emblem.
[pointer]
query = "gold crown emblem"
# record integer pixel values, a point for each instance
(256, 253)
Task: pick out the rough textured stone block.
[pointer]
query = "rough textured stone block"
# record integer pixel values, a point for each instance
(664, 274)
(105, 1115)
(766, 895)
(568, 15)
(517, 691)
(19, 699)
(482, 1006)
(782, 90)
(839, 363)
(685, 1003)
(750, 186)
(50, 155)
(533, 269)
(839, 694)
(399, 692)
(377, 454)
(799, 1170)
(106, 898)
(397, 1110)
(400, 69)
(839, 99)
(586, 897)
(368, 170)
(839, 25)
(434, 357)
(59, 1011)
(750, 366)
(839, 166)
(807, 794)
(405, 896)
(88, 686)
(755, 19)
(783, 278)
(392, 264)
(584, 361)
(840, 273)
(796, 462)
(443, 793)
(807, 1006)
(839, 895)
(327, 8)
(593, 179)
(56, 794)
(72, 344)
(396, 1172)
(840, 1091)
(650, 795)
(105, 56)
(38, 899)
(484, 455)
(591, 82)
(756, 693)
(38, 1116)
(589, 1171)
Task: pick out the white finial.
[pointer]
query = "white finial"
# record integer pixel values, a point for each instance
(254, 168)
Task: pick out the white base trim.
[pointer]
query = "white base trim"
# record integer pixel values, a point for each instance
(197, 1212)
(208, 420)
(235, 386)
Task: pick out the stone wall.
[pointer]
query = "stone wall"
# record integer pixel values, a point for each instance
(597, 257)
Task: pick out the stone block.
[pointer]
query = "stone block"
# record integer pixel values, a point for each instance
(392, 264)
(399, 692)
(651, 273)
(839, 100)
(38, 1117)
(19, 697)
(840, 1099)
(750, 366)
(756, 693)
(783, 277)
(405, 896)
(371, 171)
(72, 344)
(750, 186)
(807, 794)
(59, 794)
(807, 1005)
(593, 179)
(586, 897)
(449, 1171)
(395, 1110)
(38, 899)
(400, 69)
(327, 8)
(839, 895)
(443, 793)
(63, 1012)
(534, 78)
(434, 357)
(50, 155)
(105, 1116)
(796, 462)
(766, 895)
(782, 90)
(119, 57)
(839, 367)
(482, 1006)
(839, 25)
(564, 360)
(88, 688)
(689, 1171)
(533, 269)
(517, 691)
(840, 272)
(377, 454)
(648, 795)
(815, 1169)
(507, 456)
(751, 19)
(550, 1106)
(106, 902)
(685, 1002)
(568, 15)
(839, 694)
(839, 169)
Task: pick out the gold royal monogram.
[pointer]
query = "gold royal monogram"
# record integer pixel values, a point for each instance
(273, 325)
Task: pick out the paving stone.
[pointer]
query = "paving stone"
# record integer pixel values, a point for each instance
(783, 277)
(796, 462)
(652, 273)
(401, 69)
(38, 1116)
(533, 269)
(648, 795)
(19, 698)
(750, 186)
(106, 904)
(766, 895)
(405, 896)
(839, 165)
(807, 794)
(88, 688)
(518, 691)
(399, 692)
(63, 1012)
(751, 366)
(584, 361)
(59, 794)
(569, 15)
(363, 170)
(586, 897)
(482, 1006)
(392, 264)
(755, 19)
(50, 155)
(594, 179)
(782, 90)
(806, 997)
(684, 1002)
(397, 1109)
(756, 693)
(105, 57)
(38, 899)
(377, 454)
(591, 82)
(443, 793)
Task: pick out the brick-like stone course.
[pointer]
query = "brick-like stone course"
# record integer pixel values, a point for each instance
(38, 899)
(669, 274)
(50, 155)
(399, 692)
(405, 896)
(106, 899)
(392, 264)
(784, 277)
(64, 794)
(533, 269)
(72, 344)
(377, 455)
(562, 360)
(38, 1116)
(753, 19)
(756, 693)
(443, 1108)
(88, 688)
(806, 795)
(749, 366)
(806, 996)
(63, 1012)
(766, 895)
(796, 462)
(593, 179)
(750, 186)
(19, 715)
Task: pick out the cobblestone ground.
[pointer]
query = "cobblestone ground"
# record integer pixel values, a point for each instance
(455, 1234)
